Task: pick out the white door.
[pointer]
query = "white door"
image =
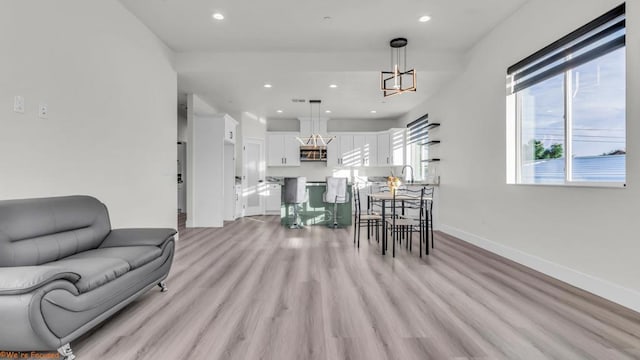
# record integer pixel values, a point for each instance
(253, 173)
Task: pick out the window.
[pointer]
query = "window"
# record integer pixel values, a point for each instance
(566, 108)
(417, 150)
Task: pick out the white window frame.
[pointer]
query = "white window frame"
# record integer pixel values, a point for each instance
(514, 135)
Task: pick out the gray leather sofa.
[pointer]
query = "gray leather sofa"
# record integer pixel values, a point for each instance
(63, 270)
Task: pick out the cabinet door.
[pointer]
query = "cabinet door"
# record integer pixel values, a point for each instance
(371, 150)
(275, 150)
(347, 157)
(384, 147)
(291, 150)
(397, 146)
(272, 204)
(358, 153)
(333, 152)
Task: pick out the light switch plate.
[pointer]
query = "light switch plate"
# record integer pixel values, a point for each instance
(43, 111)
(18, 104)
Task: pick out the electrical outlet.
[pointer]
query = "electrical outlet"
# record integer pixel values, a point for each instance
(18, 104)
(43, 111)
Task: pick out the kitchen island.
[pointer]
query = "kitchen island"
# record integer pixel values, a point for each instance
(315, 211)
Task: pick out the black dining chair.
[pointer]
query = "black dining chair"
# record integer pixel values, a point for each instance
(361, 220)
(417, 216)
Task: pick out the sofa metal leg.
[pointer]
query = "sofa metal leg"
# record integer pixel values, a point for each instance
(163, 286)
(66, 352)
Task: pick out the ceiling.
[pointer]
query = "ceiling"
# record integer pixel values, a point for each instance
(301, 47)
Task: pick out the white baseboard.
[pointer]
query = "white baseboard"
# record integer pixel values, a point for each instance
(613, 292)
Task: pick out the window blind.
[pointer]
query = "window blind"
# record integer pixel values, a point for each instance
(603, 35)
(418, 130)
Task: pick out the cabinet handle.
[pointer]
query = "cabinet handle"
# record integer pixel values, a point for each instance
(387, 160)
(285, 160)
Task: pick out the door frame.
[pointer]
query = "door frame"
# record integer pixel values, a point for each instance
(262, 173)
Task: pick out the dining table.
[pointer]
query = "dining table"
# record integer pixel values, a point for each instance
(383, 197)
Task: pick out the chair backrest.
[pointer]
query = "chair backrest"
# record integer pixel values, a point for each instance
(295, 190)
(356, 200)
(336, 190)
(37, 231)
(428, 196)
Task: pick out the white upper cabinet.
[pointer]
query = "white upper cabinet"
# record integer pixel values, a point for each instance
(283, 150)
(291, 150)
(340, 151)
(384, 149)
(365, 150)
(345, 150)
(370, 150)
(397, 141)
(347, 157)
(333, 152)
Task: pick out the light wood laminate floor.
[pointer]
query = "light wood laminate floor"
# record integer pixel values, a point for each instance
(255, 290)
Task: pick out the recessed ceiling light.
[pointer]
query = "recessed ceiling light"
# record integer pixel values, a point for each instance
(279, 111)
(424, 18)
(268, 86)
(333, 86)
(328, 111)
(373, 111)
(218, 16)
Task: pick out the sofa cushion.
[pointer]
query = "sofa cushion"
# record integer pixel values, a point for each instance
(135, 256)
(38, 231)
(94, 272)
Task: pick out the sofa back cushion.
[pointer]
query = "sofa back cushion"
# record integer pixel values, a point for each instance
(38, 231)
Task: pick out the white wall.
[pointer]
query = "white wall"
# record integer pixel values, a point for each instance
(111, 92)
(585, 236)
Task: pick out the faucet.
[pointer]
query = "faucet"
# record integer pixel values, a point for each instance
(410, 167)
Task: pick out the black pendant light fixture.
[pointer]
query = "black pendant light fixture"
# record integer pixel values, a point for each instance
(399, 80)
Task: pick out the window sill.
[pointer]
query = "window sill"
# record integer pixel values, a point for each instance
(610, 185)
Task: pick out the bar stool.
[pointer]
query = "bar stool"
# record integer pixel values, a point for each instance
(295, 193)
(336, 193)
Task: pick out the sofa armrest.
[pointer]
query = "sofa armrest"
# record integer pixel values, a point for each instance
(137, 237)
(23, 279)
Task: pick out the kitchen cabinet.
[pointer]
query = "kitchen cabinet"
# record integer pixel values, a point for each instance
(347, 157)
(283, 149)
(365, 150)
(272, 199)
(397, 142)
(339, 151)
(384, 149)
